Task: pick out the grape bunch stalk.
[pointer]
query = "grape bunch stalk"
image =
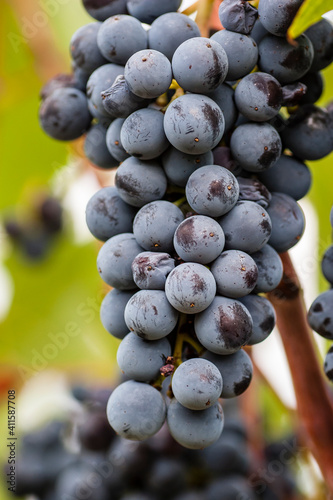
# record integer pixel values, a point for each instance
(209, 137)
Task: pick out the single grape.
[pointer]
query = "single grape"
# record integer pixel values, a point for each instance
(190, 288)
(95, 147)
(246, 227)
(140, 182)
(327, 264)
(276, 17)
(224, 327)
(321, 37)
(253, 190)
(289, 176)
(195, 429)
(84, 49)
(141, 359)
(200, 65)
(119, 101)
(64, 115)
(270, 269)
(148, 10)
(235, 273)
(149, 315)
(263, 317)
(236, 371)
(142, 134)
(120, 37)
(288, 222)
(150, 270)
(113, 142)
(320, 315)
(155, 224)
(287, 62)
(107, 214)
(148, 73)
(194, 124)
(115, 259)
(238, 16)
(199, 239)
(241, 50)
(197, 384)
(224, 98)
(101, 79)
(309, 133)
(328, 364)
(112, 312)
(212, 190)
(102, 9)
(256, 146)
(258, 97)
(136, 411)
(169, 31)
(179, 166)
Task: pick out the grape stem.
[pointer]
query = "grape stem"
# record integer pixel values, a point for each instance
(315, 409)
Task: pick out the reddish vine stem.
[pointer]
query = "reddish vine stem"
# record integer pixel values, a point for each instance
(314, 405)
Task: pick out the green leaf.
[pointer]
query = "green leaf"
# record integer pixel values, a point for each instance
(309, 13)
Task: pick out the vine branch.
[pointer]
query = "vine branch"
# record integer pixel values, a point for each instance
(314, 405)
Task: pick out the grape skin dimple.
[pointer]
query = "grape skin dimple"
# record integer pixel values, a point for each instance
(150, 270)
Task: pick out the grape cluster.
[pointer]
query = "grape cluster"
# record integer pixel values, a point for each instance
(320, 315)
(83, 458)
(205, 196)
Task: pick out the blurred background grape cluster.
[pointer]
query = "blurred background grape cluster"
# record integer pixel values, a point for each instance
(50, 293)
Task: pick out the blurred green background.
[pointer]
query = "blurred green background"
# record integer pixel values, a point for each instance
(58, 297)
